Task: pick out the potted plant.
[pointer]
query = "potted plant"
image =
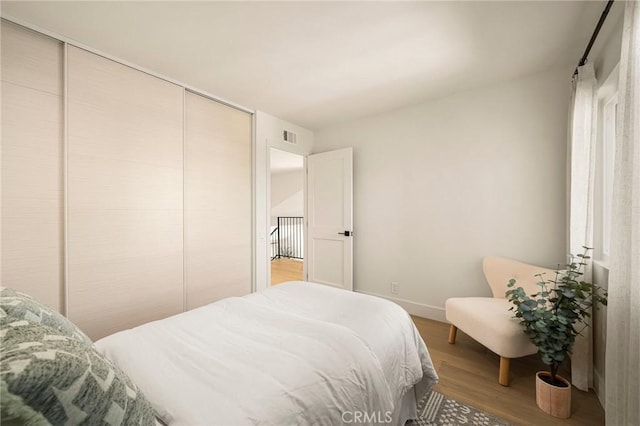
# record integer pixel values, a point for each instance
(552, 318)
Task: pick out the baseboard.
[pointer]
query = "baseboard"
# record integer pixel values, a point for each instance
(435, 313)
(599, 386)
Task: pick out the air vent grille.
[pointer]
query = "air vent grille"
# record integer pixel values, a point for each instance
(290, 137)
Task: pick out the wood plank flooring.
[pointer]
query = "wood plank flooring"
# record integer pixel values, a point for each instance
(469, 373)
(284, 269)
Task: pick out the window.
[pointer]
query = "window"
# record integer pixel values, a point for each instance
(605, 160)
(608, 156)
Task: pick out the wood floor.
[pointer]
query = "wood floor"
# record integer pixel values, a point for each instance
(469, 373)
(284, 269)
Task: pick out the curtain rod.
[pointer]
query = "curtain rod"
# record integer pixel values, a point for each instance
(594, 36)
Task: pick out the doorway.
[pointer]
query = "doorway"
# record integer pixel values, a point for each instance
(286, 216)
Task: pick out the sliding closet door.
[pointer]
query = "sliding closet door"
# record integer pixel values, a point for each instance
(217, 201)
(32, 200)
(125, 195)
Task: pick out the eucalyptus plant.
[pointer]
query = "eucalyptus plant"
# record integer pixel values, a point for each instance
(551, 317)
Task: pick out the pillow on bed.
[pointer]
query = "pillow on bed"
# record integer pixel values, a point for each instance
(48, 375)
(20, 306)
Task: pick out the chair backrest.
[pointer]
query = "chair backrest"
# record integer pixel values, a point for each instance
(499, 270)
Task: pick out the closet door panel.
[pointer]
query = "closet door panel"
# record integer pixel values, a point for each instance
(31, 59)
(125, 197)
(32, 164)
(217, 201)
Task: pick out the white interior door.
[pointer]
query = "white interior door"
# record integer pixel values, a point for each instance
(330, 218)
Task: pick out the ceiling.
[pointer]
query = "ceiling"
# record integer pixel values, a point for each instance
(320, 63)
(283, 161)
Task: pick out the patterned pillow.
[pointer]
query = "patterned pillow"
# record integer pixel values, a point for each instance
(14, 412)
(44, 373)
(17, 305)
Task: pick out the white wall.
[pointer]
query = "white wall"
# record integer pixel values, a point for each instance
(605, 53)
(287, 194)
(442, 184)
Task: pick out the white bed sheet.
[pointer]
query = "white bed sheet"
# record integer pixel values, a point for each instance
(297, 353)
(384, 326)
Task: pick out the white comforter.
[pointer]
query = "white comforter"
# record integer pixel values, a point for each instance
(298, 353)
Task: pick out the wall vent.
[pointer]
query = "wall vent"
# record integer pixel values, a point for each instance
(290, 137)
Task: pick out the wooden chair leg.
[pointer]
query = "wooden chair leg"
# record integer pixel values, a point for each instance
(452, 333)
(503, 377)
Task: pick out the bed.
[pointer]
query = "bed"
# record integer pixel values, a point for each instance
(296, 353)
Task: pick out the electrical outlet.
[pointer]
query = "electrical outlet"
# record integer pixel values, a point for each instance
(394, 287)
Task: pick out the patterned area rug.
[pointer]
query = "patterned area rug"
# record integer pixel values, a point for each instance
(437, 409)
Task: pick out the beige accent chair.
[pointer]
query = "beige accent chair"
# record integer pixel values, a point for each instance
(488, 320)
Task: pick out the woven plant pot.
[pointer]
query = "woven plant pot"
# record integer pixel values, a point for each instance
(553, 400)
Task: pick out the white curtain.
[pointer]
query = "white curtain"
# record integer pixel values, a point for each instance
(622, 404)
(582, 139)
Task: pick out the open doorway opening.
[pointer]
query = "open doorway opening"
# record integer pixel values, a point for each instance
(286, 216)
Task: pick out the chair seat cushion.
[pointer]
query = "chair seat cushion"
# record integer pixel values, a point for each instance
(489, 321)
